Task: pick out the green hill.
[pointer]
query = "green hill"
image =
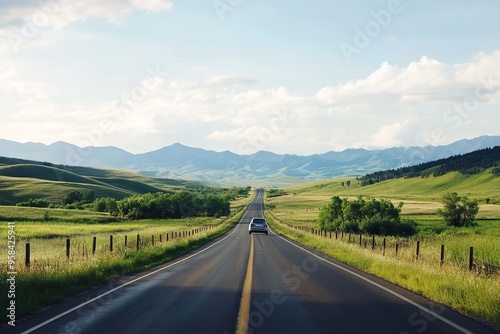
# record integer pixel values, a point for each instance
(44, 173)
(470, 163)
(483, 186)
(21, 180)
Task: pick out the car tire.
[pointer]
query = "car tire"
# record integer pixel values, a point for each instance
(266, 233)
(249, 232)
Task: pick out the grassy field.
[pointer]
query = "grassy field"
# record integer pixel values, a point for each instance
(52, 276)
(472, 292)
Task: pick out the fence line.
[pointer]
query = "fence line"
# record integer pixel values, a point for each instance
(140, 242)
(474, 264)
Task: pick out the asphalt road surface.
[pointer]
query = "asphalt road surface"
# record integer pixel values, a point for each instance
(257, 283)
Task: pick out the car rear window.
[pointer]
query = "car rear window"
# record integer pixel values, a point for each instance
(259, 221)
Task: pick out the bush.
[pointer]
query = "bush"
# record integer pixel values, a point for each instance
(275, 192)
(37, 203)
(458, 211)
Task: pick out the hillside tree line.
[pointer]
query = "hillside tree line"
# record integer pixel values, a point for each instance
(203, 201)
(467, 164)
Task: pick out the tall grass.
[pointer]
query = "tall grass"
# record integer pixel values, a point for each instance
(468, 292)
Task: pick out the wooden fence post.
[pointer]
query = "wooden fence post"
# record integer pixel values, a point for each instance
(126, 239)
(441, 262)
(152, 240)
(418, 249)
(383, 251)
(111, 243)
(397, 247)
(28, 255)
(471, 258)
(94, 245)
(138, 241)
(68, 246)
(373, 242)
(360, 239)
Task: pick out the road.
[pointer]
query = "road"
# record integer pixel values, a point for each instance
(250, 284)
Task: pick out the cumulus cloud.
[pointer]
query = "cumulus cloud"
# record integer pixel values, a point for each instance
(388, 135)
(425, 102)
(426, 80)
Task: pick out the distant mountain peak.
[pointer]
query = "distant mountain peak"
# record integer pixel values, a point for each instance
(262, 168)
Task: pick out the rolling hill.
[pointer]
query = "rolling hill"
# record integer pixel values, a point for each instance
(21, 180)
(483, 186)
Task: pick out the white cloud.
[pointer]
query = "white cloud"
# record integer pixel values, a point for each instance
(426, 80)
(393, 106)
(388, 136)
(152, 5)
(23, 23)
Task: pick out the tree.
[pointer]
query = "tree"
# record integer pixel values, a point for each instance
(375, 217)
(72, 197)
(76, 196)
(348, 183)
(458, 211)
(331, 216)
(88, 196)
(216, 206)
(106, 204)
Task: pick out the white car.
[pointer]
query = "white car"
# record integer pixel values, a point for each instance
(258, 225)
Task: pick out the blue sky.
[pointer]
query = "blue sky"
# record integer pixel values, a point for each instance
(299, 77)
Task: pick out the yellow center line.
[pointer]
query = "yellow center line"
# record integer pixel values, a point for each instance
(244, 313)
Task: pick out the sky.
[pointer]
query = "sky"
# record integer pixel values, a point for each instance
(297, 77)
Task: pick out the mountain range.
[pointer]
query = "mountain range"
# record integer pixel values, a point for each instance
(226, 168)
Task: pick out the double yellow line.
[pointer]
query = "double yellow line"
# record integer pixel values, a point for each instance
(244, 313)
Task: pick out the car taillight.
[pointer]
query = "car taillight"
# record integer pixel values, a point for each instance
(251, 225)
(265, 225)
